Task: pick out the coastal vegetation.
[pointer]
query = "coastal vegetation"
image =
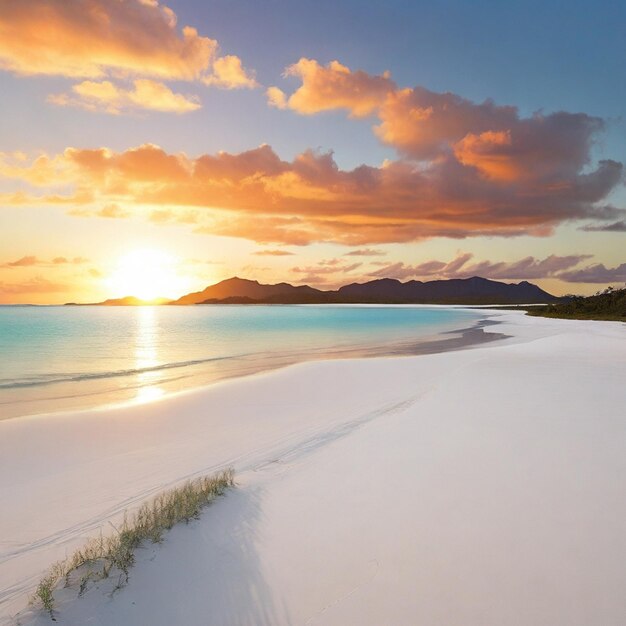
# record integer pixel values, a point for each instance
(609, 304)
(109, 556)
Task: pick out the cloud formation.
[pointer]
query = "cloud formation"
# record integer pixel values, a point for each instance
(109, 41)
(334, 86)
(107, 97)
(167, 216)
(276, 97)
(98, 38)
(273, 253)
(33, 261)
(25, 261)
(425, 125)
(596, 273)
(568, 268)
(528, 268)
(365, 252)
(257, 195)
(229, 73)
(326, 272)
(466, 158)
(615, 227)
(112, 210)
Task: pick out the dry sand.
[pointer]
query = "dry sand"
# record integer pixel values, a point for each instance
(480, 487)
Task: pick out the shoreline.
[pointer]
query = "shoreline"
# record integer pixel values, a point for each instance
(302, 439)
(249, 365)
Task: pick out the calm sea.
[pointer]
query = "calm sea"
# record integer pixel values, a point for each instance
(60, 358)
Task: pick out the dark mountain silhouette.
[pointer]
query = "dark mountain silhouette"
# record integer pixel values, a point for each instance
(248, 289)
(474, 290)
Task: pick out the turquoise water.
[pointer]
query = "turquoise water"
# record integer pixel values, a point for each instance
(58, 358)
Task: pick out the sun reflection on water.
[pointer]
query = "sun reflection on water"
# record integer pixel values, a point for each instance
(146, 355)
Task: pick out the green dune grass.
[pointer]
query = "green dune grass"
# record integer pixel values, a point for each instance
(114, 555)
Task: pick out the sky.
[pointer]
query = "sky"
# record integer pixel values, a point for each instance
(151, 148)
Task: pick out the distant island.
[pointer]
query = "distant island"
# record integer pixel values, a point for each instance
(469, 291)
(126, 301)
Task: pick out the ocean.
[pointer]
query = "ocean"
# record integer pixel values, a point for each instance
(60, 358)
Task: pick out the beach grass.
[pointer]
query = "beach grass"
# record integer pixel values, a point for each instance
(114, 555)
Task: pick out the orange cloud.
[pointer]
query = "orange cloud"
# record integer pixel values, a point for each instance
(148, 94)
(484, 139)
(41, 171)
(333, 86)
(32, 261)
(422, 124)
(273, 253)
(276, 97)
(167, 216)
(229, 73)
(488, 153)
(112, 210)
(101, 40)
(62, 260)
(261, 229)
(107, 97)
(257, 195)
(94, 38)
(25, 261)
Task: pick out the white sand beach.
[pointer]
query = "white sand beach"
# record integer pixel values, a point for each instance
(479, 487)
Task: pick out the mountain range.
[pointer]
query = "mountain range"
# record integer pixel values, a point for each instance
(474, 290)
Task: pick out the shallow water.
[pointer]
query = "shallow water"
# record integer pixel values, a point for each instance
(58, 358)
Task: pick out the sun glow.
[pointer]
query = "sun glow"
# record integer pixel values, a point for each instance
(147, 274)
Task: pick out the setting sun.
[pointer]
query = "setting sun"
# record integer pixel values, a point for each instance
(147, 274)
